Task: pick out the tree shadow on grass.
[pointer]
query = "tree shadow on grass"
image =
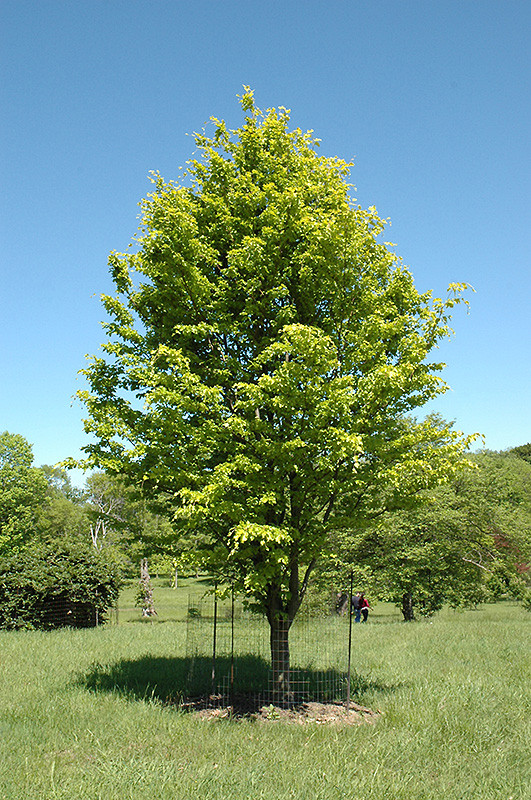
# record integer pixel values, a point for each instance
(187, 683)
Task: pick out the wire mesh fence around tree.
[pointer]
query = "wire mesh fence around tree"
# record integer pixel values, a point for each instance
(229, 661)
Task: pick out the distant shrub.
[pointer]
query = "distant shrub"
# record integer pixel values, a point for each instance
(57, 584)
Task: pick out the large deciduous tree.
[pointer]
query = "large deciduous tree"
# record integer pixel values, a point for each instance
(264, 350)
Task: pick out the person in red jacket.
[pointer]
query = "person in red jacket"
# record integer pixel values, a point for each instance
(364, 607)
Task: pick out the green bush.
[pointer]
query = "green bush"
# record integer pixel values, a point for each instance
(57, 584)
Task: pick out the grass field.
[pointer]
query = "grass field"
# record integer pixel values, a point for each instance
(454, 695)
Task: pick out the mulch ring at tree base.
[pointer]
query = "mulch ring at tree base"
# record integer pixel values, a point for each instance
(302, 713)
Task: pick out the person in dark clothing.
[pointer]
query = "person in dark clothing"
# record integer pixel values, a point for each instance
(356, 607)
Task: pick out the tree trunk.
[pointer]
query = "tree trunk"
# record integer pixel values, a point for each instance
(145, 592)
(407, 607)
(282, 693)
(280, 615)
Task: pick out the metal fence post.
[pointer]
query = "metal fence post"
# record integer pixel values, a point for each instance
(349, 639)
(232, 649)
(214, 638)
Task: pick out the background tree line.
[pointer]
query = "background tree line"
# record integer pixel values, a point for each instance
(462, 543)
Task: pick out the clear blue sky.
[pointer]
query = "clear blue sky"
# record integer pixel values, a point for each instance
(430, 99)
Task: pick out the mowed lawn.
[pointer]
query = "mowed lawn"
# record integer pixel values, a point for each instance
(454, 692)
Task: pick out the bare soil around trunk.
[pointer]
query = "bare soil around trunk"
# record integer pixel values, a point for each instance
(301, 713)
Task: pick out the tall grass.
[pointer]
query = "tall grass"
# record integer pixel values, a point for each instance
(454, 695)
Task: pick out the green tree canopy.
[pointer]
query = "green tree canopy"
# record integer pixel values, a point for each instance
(122, 518)
(63, 516)
(523, 451)
(22, 491)
(264, 350)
